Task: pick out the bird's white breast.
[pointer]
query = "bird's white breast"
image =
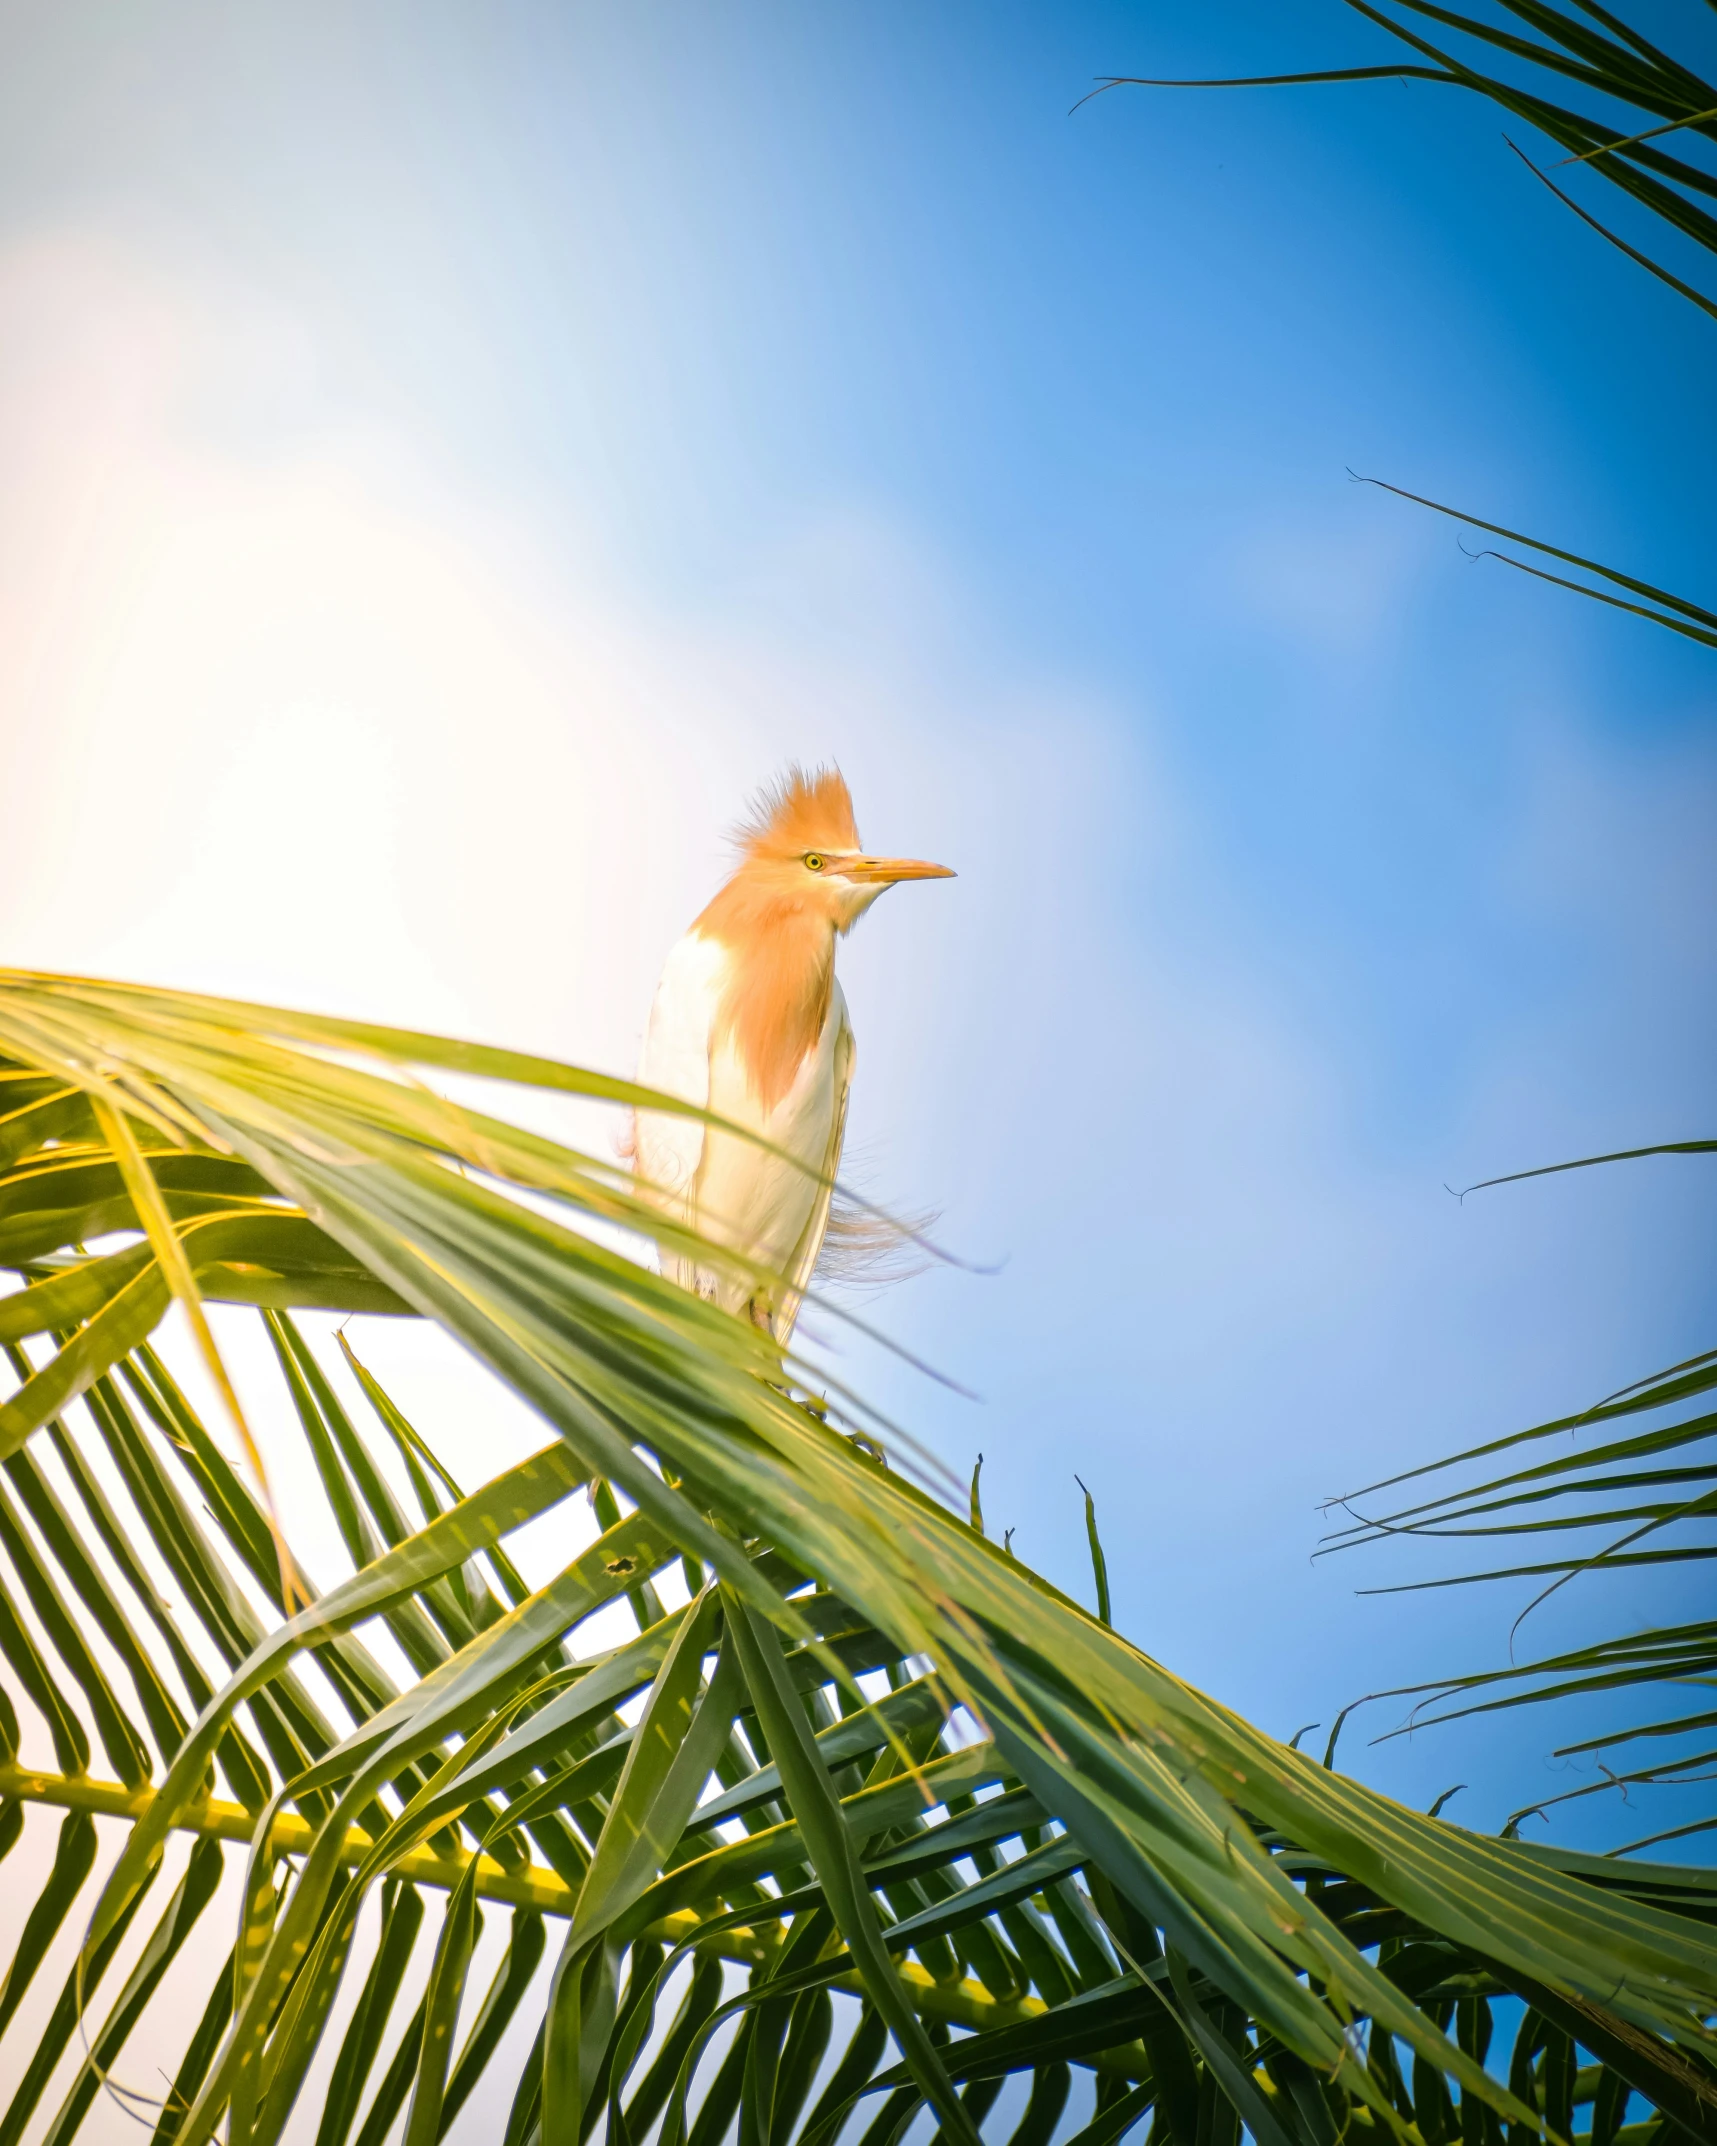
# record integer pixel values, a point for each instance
(728, 1187)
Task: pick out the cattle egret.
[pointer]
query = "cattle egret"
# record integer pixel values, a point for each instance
(749, 1023)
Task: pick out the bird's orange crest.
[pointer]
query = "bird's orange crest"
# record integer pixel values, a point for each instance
(801, 810)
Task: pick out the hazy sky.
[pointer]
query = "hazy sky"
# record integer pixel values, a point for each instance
(450, 455)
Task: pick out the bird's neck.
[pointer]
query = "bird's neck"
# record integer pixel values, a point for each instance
(781, 977)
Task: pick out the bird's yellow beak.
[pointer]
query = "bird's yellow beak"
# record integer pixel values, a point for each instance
(884, 871)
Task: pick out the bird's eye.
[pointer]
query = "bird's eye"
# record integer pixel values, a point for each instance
(814, 862)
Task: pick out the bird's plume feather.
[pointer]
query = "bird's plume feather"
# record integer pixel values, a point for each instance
(802, 809)
(867, 1248)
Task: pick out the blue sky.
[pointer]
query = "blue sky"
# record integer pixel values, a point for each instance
(457, 453)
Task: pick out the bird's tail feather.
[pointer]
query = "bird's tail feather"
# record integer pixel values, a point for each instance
(866, 1248)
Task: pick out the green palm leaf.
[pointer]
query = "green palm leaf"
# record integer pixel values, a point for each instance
(877, 1757)
(1650, 1492)
(1608, 59)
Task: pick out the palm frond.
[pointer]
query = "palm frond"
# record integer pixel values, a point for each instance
(856, 1816)
(1613, 62)
(1649, 1490)
(1606, 58)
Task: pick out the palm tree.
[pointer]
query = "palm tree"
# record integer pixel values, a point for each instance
(859, 1816)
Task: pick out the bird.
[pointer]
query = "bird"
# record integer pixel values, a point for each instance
(749, 1023)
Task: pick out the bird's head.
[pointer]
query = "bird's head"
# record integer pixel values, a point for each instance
(800, 847)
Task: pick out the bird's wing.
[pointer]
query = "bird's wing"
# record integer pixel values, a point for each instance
(675, 1059)
(803, 1263)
